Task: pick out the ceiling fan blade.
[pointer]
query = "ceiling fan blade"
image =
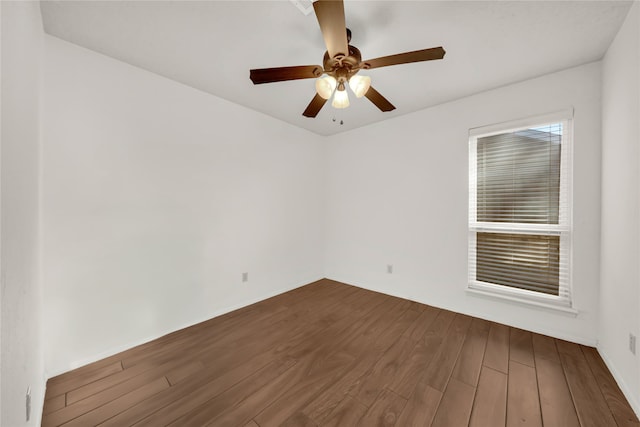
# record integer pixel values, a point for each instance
(379, 100)
(405, 58)
(314, 106)
(330, 14)
(281, 74)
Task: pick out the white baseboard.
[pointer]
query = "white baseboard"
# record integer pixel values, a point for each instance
(632, 398)
(37, 403)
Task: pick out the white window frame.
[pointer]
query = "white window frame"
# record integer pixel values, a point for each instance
(564, 301)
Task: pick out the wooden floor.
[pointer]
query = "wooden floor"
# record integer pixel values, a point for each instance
(329, 354)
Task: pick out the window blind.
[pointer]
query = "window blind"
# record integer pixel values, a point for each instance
(524, 261)
(519, 212)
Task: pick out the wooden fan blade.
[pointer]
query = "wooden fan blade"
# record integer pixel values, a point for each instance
(330, 14)
(281, 74)
(314, 106)
(379, 100)
(405, 58)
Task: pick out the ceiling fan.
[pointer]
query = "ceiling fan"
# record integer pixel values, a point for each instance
(341, 64)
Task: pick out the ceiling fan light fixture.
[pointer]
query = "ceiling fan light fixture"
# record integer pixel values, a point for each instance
(340, 99)
(360, 85)
(325, 86)
(340, 64)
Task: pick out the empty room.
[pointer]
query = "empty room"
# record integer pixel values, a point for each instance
(320, 213)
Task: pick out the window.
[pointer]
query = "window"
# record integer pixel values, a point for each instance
(519, 210)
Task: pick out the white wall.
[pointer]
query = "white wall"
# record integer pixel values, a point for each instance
(620, 275)
(397, 194)
(156, 198)
(21, 295)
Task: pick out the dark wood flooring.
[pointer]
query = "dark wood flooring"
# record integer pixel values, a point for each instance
(329, 354)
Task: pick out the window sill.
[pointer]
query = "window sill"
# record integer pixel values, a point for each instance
(522, 301)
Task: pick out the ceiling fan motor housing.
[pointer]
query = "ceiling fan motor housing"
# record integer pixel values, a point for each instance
(342, 67)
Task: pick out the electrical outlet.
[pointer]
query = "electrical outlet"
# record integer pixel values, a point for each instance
(245, 277)
(390, 268)
(632, 343)
(28, 403)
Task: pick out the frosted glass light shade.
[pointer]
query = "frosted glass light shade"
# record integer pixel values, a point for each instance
(360, 85)
(340, 99)
(325, 86)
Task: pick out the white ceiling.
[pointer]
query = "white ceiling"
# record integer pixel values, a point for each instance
(211, 45)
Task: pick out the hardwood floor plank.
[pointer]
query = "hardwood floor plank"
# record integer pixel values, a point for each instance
(312, 375)
(591, 407)
(385, 411)
(155, 367)
(297, 420)
(455, 406)
(347, 413)
(441, 325)
(278, 340)
(211, 381)
(382, 333)
(349, 335)
(107, 395)
(555, 398)
(383, 372)
(467, 368)
(69, 383)
(496, 355)
(266, 316)
(104, 383)
(364, 302)
(395, 329)
(490, 404)
(620, 409)
(416, 306)
(184, 371)
(54, 404)
(418, 328)
(523, 404)
(556, 402)
(323, 404)
(367, 352)
(252, 404)
(421, 406)
(104, 412)
(544, 347)
(203, 333)
(439, 370)
(521, 347)
(333, 354)
(422, 355)
(204, 338)
(275, 326)
(81, 371)
(196, 407)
